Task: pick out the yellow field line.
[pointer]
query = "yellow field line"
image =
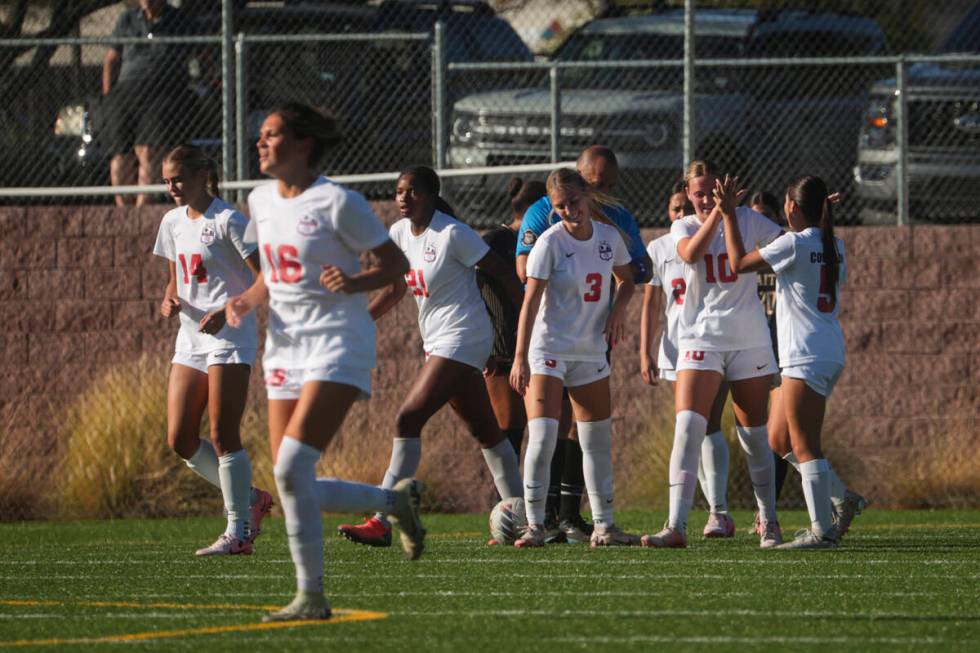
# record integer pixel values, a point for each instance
(339, 616)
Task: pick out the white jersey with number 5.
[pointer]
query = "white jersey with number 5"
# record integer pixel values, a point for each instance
(310, 326)
(668, 274)
(575, 306)
(806, 314)
(721, 310)
(209, 254)
(442, 279)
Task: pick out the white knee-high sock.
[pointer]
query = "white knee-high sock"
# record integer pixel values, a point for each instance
(714, 468)
(204, 463)
(235, 473)
(837, 487)
(689, 433)
(596, 441)
(295, 473)
(503, 465)
(406, 453)
(336, 495)
(542, 435)
(762, 468)
(816, 490)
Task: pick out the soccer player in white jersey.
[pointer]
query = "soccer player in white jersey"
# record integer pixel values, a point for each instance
(320, 343)
(564, 330)
(722, 335)
(209, 261)
(456, 335)
(810, 268)
(663, 296)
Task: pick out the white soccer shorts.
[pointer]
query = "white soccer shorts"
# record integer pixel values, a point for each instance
(201, 362)
(572, 373)
(820, 376)
(287, 383)
(732, 365)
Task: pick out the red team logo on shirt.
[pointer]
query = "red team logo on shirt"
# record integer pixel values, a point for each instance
(306, 225)
(605, 250)
(207, 235)
(429, 254)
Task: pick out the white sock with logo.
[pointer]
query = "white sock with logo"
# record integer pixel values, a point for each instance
(235, 473)
(204, 463)
(837, 487)
(596, 441)
(406, 454)
(295, 473)
(542, 436)
(762, 468)
(816, 490)
(689, 432)
(713, 471)
(502, 462)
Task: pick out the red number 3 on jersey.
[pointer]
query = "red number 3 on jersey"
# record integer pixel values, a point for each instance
(594, 280)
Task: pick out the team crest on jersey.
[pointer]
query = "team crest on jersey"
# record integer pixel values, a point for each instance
(207, 234)
(306, 225)
(429, 254)
(605, 250)
(528, 238)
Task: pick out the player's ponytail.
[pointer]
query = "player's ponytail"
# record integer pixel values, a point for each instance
(304, 121)
(194, 159)
(427, 180)
(810, 194)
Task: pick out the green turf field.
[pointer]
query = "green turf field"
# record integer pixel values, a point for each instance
(902, 581)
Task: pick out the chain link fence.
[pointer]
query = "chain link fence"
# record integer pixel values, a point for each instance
(770, 93)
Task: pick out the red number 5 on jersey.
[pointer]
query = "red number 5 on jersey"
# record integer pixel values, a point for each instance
(594, 279)
(285, 267)
(824, 302)
(680, 287)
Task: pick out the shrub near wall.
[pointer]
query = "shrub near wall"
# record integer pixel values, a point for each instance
(79, 290)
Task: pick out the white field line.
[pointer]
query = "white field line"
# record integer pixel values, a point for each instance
(728, 639)
(767, 558)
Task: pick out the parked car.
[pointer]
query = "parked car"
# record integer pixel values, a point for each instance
(762, 130)
(379, 90)
(943, 153)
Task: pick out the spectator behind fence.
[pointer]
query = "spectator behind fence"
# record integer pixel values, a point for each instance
(143, 85)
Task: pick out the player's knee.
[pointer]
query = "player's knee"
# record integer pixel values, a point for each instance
(409, 423)
(183, 446)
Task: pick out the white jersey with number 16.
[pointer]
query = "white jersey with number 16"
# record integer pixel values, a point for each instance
(575, 306)
(310, 326)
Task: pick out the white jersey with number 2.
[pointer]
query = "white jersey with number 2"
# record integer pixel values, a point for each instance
(209, 254)
(668, 274)
(806, 317)
(721, 310)
(327, 224)
(573, 313)
(442, 279)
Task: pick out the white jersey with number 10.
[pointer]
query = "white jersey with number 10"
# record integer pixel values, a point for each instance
(575, 307)
(310, 326)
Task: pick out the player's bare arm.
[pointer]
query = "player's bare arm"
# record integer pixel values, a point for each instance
(386, 300)
(238, 307)
(616, 323)
(170, 305)
(649, 325)
(391, 265)
(520, 374)
(727, 198)
(522, 267)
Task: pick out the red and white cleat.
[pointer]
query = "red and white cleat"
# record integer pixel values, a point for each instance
(668, 538)
(258, 511)
(720, 524)
(772, 535)
(532, 538)
(226, 545)
(372, 532)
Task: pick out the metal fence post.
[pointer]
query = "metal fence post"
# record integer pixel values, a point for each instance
(227, 153)
(902, 136)
(241, 138)
(555, 114)
(689, 125)
(439, 126)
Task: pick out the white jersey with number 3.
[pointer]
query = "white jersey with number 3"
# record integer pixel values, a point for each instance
(806, 314)
(327, 224)
(209, 255)
(442, 279)
(573, 313)
(721, 310)
(668, 274)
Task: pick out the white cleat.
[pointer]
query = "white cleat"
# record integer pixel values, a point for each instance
(720, 524)
(307, 606)
(226, 545)
(845, 512)
(807, 539)
(772, 535)
(532, 538)
(405, 514)
(613, 536)
(668, 538)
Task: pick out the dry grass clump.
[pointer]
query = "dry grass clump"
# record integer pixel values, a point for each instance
(24, 459)
(942, 474)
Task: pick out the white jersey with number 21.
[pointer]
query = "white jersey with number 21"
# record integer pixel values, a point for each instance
(570, 323)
